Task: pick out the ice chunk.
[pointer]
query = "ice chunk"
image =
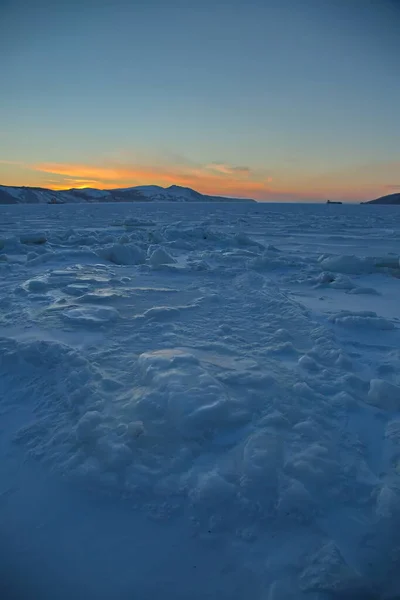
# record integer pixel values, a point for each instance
(33, 238)
(87, 427)
(364, 290)
(261, 465)
(338, 282)
(356, 265)
(347, 264)
(388, 502)
(329, 572)
(325, 278)
(387, 262)
(308, 363)
(212, 491)
(193, 400)
(314, 466)
(37, 284)
(161, 312)
(296, 502)
(76, 289)
(364, 319)
(112, 455)
(91, 316)
(384, 395)
(131, 222)
(244, 240)
(160, 257)
(282, 590)
(123, 254)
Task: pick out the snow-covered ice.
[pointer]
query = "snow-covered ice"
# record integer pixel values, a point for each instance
(200, 401)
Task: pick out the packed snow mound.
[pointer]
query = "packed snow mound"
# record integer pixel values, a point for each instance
(193, 400)
(146, 438)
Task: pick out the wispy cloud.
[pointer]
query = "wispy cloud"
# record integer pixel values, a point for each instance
(10, 162)
(392, 186)
(65, 182)
(74, 170)
(226, 169)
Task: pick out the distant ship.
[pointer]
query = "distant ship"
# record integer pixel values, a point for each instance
(333, 202)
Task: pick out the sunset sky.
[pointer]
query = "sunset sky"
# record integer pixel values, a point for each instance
(277, 100)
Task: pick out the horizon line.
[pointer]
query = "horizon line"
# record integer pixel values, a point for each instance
(258, 200)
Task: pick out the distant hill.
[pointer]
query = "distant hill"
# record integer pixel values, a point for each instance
(141, 193)
(390, 199)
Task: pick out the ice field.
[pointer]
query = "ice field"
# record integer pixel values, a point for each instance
(200, 401)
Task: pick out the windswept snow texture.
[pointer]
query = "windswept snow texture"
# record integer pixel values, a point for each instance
(200, 402)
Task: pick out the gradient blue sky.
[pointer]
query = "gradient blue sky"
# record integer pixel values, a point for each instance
(273, 99)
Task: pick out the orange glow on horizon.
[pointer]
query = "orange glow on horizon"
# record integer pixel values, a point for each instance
(203, 180)
(215, 179)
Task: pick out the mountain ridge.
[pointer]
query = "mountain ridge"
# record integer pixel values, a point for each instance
(141, 193)
(389, 199)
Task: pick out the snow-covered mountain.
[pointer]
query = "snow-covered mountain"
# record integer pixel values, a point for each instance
(389, 199)
(141, 193)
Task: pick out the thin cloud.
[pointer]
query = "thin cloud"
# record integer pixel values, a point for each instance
(82, 171)
(228, 169)
(63, 183)
(10, 162)
(392, 186)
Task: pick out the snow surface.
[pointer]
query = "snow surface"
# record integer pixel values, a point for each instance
(199, 401)
(171, 193)
(147, 190)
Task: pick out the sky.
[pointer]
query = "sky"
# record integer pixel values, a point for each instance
(277, 100)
